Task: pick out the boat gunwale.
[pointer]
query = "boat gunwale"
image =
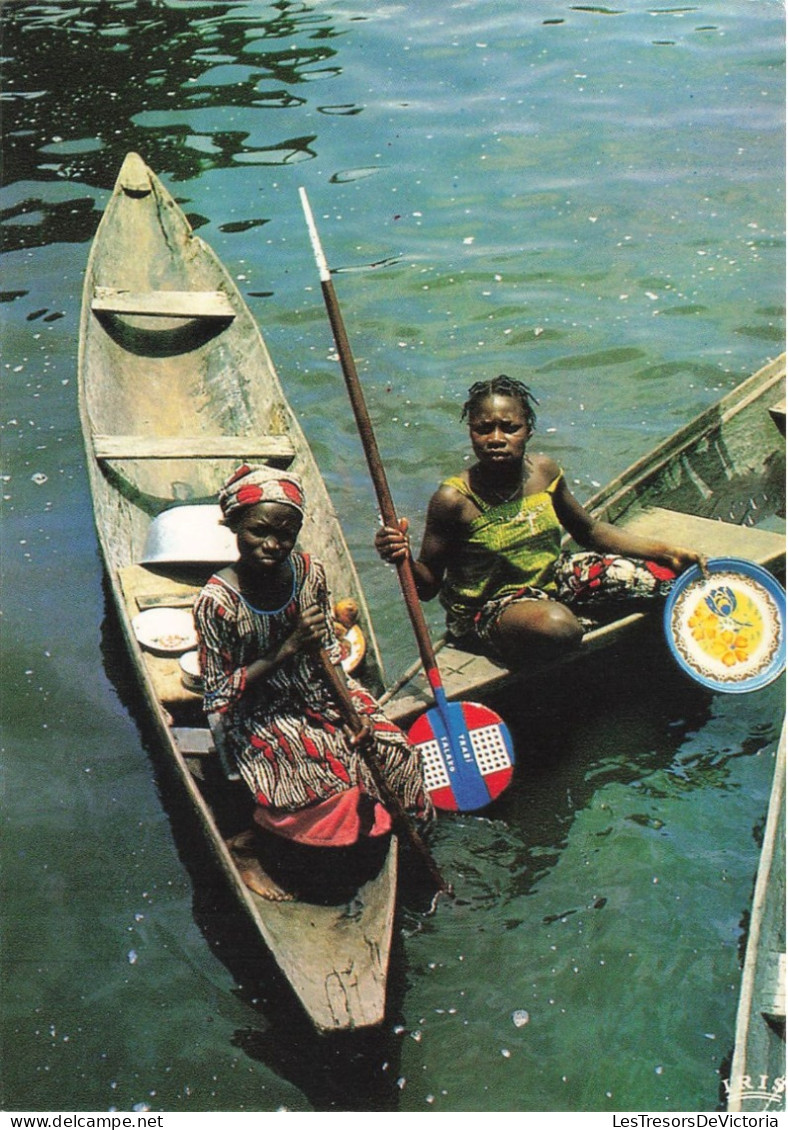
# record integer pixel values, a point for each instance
(748, 1015)
(735, 401)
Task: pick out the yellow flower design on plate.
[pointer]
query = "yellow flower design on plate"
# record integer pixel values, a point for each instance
(730, 632)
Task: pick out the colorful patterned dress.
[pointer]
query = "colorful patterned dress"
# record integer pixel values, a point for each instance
(512, 552)
(285, 732)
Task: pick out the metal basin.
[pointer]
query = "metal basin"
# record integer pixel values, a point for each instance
(189, 535)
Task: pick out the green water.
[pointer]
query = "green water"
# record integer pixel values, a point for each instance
(586, 196)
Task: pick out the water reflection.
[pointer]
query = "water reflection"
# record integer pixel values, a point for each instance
(350, 1073)
(635, 722)
(180, 83)
(38, 222)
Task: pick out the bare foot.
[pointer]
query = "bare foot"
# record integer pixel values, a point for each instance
(251, 872)
(263, 885)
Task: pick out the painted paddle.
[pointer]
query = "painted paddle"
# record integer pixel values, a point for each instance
(402, 822)
(467, 751)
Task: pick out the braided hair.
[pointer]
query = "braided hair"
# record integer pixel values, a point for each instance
(502, 386)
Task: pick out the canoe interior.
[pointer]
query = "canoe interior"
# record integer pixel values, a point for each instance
(193, 384)
(176, 388)
(727, 464)
(717, 484)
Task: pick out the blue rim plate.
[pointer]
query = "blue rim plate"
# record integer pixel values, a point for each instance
(727, 630)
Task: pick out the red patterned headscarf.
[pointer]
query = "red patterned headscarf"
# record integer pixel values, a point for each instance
(247, 486)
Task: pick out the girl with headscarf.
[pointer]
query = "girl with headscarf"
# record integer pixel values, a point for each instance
(260, 622)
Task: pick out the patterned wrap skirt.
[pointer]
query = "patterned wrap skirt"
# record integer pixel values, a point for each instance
(594, 586)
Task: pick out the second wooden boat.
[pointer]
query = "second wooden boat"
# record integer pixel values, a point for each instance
(757, 1078)
(177, 388)
(717, 485)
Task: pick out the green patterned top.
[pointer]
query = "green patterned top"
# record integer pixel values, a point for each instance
(509, 546)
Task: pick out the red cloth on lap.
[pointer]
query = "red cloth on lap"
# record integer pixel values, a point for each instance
(339, 821)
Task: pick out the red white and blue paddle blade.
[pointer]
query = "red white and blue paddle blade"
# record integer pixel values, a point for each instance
(467, 755)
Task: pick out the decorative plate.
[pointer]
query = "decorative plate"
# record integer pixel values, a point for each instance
(167, 631)
(353, 647)
(727, 630)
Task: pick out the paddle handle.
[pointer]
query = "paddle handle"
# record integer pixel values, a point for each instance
(347, 709)
(375, 463)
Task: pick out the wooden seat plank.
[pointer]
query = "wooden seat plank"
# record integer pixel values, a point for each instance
(196, 741)
(714, 538)
(262, 448)
(163, 303)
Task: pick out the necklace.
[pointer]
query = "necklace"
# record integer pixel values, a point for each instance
(506, 497)
(273, 594)
(500, 495)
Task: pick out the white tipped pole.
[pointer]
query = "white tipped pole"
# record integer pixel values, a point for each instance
(320, 259)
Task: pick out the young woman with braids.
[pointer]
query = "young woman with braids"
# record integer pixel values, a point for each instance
(491, 548)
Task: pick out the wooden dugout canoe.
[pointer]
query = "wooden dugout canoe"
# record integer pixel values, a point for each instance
(176, 388)
(757, 1078)
(717, 484)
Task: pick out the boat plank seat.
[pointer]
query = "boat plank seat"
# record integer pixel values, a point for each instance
(194, 741)
(266, 449)
(465, 673)
(163, 303)
(200, 742)
(709, 536)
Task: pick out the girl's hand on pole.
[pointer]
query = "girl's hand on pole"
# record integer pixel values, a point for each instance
(364, 736)
(393, 544)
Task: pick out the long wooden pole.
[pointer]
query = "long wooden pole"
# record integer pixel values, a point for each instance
(371, 450)
(445, 730)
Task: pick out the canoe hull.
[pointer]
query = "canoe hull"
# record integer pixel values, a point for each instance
(757, 1078)
(176, 388)
(728, 464)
